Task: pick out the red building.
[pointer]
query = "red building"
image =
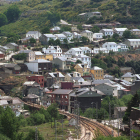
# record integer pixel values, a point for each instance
(1, 55)
(38, 78)
(61, 97)
(67, 85)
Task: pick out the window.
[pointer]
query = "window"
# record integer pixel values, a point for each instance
(18, 106)
(66, 96)
(62, 96)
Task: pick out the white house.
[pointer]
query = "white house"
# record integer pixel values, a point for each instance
(61, 37)
(98, 50)
(107, 32)
(122, 47)
(97, 36)
(33, 34)
(84, 59)
(76, 35)
(73, 51)
(111, 46)
(88, 34)
(133, 43)
(135, 32)
(69, 35)
(120, 31)
(86, 50)
(46, 37)
(56, 51)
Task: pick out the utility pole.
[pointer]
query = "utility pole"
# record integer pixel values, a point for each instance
(36, 135)
(109, 113)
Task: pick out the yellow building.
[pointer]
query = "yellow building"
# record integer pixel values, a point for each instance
(97, 72)
(39, 55)
(83, 69)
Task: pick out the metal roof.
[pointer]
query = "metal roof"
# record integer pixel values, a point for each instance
(50, 35)
(133, 39)
(32, 32)
(120, 29)
(128, 74)
(25, 51)
(40, 61)
(96, 68)
(108, 30)
(62, 91)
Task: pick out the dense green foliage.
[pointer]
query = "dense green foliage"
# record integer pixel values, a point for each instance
(20, 56)
(12, 13)
(12, 37)
(134, 102)
(98, 62)
(32, 40)
(103, 112)
(3, 20)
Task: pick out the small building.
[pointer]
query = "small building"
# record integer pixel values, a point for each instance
(133, 43)
(68, 76)
(39, 66)
(122, 47)
(77, 80)
(97, 36)
(135, 32)
(67, 85)
(120, 31)
(32, 98)
(33, 34)
(44, 38)
(56, 51)
(97, 72)
(2, 55)
(119, 112)
(62, 63)
(12, 68)
(62, 98)
(86, 50)
(108, 89)
(12, 102)
(83, 69)
(51, 78)
(13, 46)
(61, 37)
(39, 55)
(87, 34)
(86, 98)
(38, 78)
(98, 50)
(130, 77)
(107, 32)
(127, 69)
(69, 35)
(76, 35)
(90, 15)
(30, 55)
(55, 29)
(111, 46)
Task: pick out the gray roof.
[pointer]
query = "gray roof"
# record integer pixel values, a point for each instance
(62, 91)
(32, 32)
(125, 68)
(31, 96)
(25, 51)
(85, 92)
(97, 82)
(128, 74)
(40, 61)
(10, 65)
(76, 78)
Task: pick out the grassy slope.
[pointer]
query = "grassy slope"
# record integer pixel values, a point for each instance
(37, 21)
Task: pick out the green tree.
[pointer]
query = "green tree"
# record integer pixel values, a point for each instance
(45, 30)
(53, 111)
(79, 27)
(133, 103)
(12, 37)
(9, 124)
(84, 39)
(57, 42)
(31, 135)
(127, 34)
(20, 56)
(65, 41)
(121, 61)
(3, 20)
(95, 29)
(32, 40)
(78, 61)
(51, 42)
(12, 13)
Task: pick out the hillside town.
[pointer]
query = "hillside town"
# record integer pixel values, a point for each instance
(77, 80)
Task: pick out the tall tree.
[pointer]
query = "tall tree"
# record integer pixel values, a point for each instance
(3, 20)
(13, 13)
